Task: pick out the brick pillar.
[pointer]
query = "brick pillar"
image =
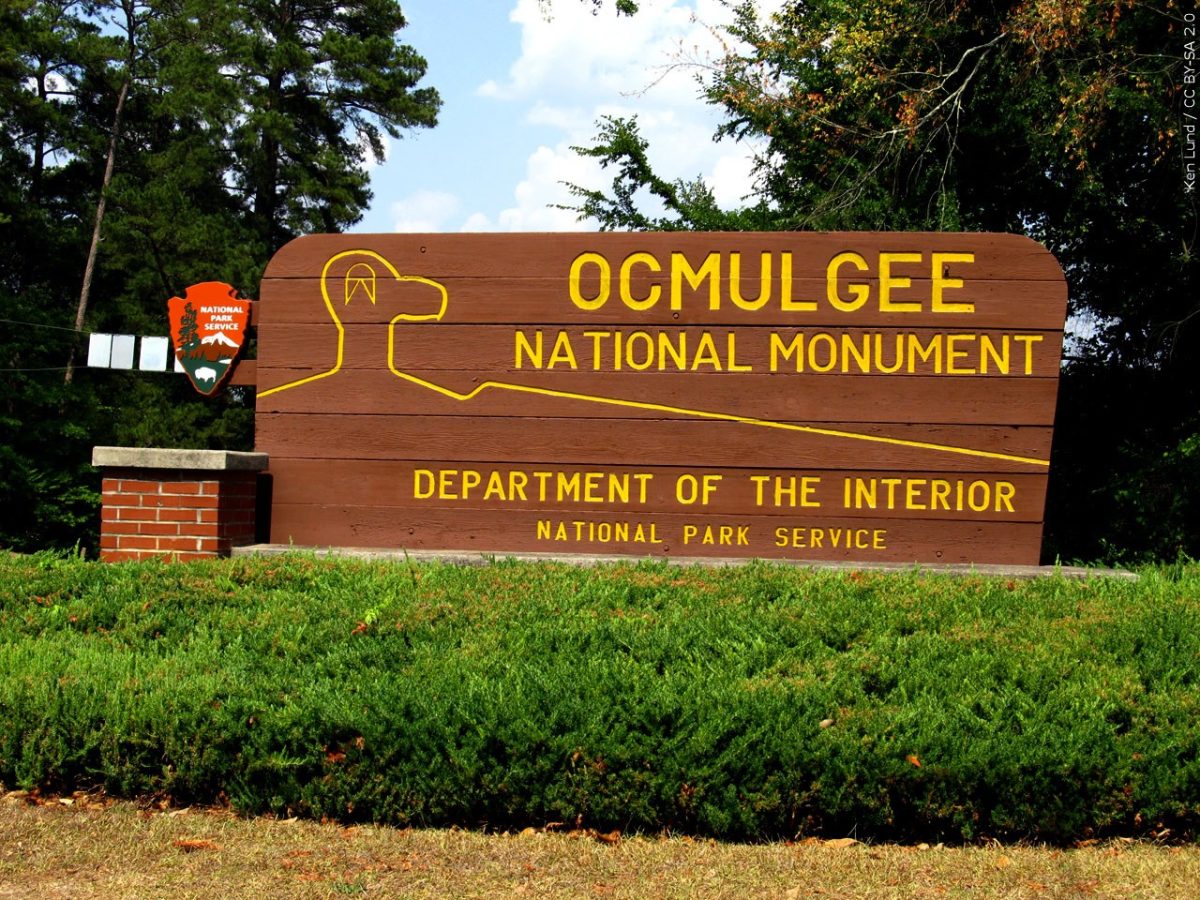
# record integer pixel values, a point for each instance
(176, 504)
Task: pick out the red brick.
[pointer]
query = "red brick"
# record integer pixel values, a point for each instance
(136, 514)
(136, 486)
(128, 527)
(204, 530)
(110, 485)
(169, 529)
(108, 542)
(137, 542)
(178, 543)
(180, 487)
(121, 556)
(171, 501)
(185, 516)
(108, 514)
(167, 501)
(208, 515)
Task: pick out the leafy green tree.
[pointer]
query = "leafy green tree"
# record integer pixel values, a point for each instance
(1057, 120)
(686, 205)
(228, 126)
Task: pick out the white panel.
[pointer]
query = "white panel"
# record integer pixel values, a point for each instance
(122, 351)
(153, 357)
(99, 350)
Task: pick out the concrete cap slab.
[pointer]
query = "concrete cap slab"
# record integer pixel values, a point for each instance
(468, 558)
(165, 458)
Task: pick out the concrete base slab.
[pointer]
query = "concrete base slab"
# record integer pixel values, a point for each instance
(467, 558)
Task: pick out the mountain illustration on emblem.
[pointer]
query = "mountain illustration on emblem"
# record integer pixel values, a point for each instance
(220, 338)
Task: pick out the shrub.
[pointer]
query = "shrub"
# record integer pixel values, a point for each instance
(751, 702)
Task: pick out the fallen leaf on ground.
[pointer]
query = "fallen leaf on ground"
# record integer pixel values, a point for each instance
(841, 843)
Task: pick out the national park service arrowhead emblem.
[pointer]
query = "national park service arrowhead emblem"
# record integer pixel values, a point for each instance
(208, 326)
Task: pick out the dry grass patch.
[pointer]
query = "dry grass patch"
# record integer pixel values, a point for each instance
(90, 849)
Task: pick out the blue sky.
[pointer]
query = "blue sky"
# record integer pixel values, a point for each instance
(522, 81)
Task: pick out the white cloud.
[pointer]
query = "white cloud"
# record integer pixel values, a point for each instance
(424, 211)
(478, 222)
(576, 67)
(573, 68)
(732, 180)
(575, 53)
(542, 188)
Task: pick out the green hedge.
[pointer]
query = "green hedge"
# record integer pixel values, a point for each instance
(748, 702)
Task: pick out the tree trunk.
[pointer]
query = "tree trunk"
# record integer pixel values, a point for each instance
(90, 268)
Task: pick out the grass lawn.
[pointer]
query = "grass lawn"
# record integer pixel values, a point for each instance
(119, 850)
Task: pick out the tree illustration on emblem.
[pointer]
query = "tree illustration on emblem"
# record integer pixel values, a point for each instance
(189, 334)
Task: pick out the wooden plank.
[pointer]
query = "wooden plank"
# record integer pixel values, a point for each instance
(776, 398)
(578, 490)
(245, 372)
(997, 256)
(662, 535)
(1025, 304)
(992, 353)
(587, 441)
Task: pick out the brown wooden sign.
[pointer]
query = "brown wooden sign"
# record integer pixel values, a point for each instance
(849, 396)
